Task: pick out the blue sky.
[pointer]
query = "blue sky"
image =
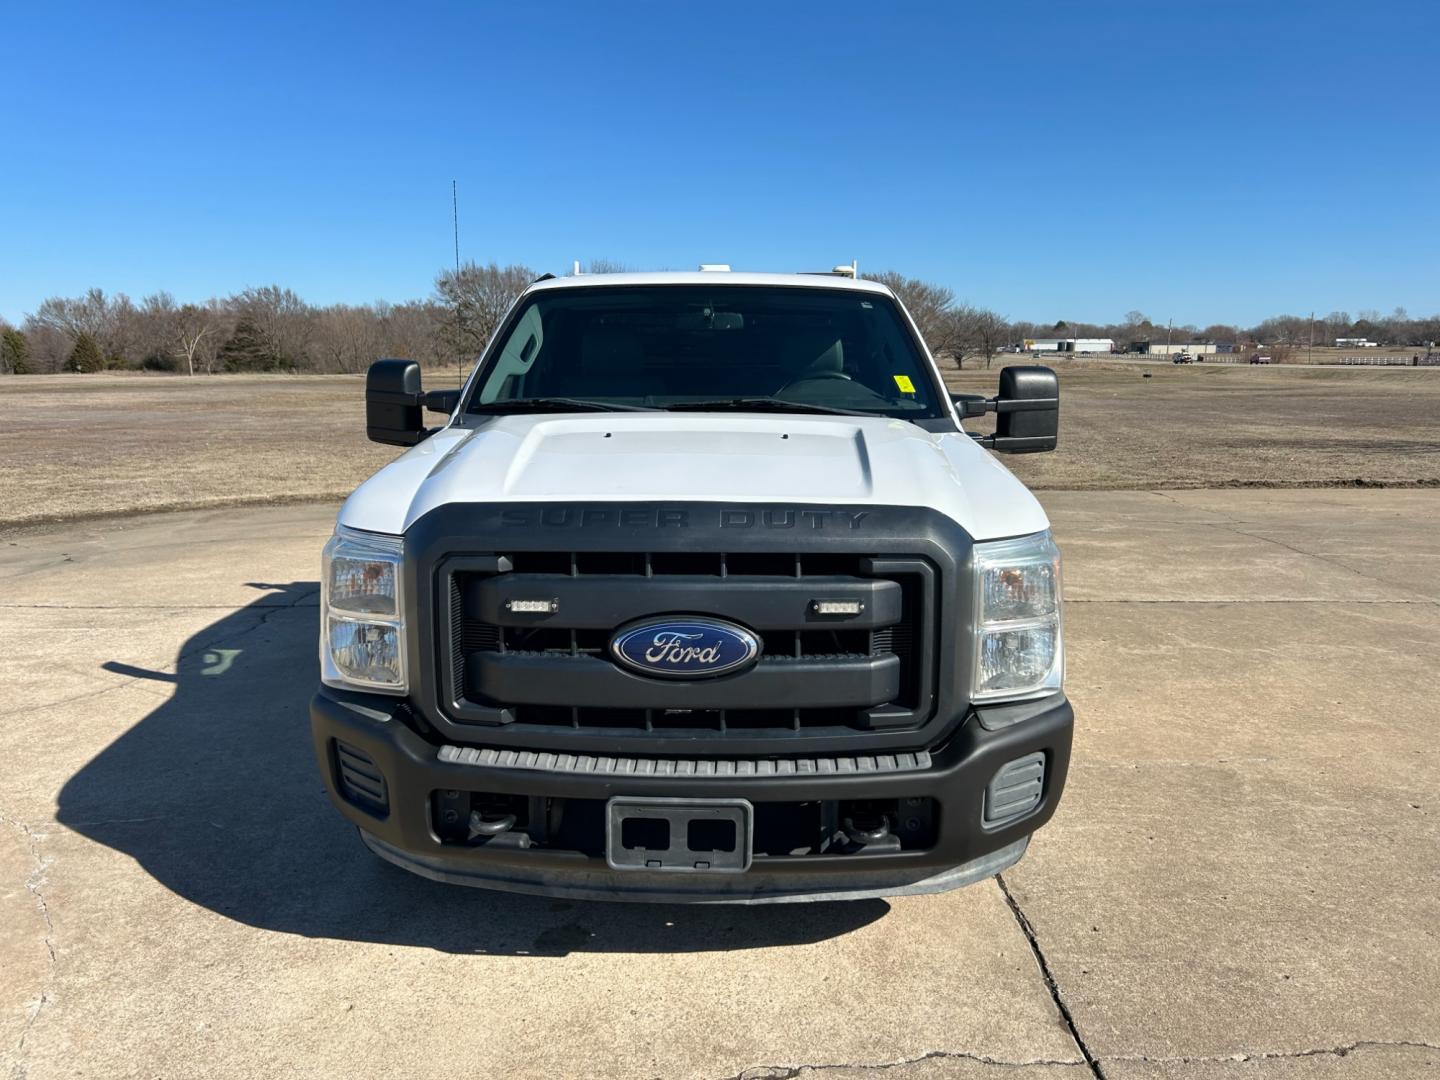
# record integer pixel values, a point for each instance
(1211, 161)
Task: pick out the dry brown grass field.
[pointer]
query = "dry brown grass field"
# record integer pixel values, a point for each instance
(82, 446)
(1212, 425)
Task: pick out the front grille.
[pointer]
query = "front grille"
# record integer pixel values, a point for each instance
(552, 672)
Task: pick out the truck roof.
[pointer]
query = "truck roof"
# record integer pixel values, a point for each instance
(714, 277)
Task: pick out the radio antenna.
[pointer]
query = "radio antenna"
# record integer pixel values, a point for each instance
(459, 339)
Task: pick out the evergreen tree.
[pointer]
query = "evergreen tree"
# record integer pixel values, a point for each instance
(246, 349)
(86, 355)
(14, 352)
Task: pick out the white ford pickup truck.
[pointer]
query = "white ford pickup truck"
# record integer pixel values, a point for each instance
(701, 593)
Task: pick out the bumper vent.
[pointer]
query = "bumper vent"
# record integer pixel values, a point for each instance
(359, 779)
(1015, 791)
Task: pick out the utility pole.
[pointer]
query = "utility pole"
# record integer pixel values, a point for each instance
(1310, 341)
(1169, 333)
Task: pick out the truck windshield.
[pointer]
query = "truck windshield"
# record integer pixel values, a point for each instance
(726, 346)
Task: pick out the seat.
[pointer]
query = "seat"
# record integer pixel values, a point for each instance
(813, 354)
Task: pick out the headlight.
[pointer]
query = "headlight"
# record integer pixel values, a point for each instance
(1018, 647)
(362, 632)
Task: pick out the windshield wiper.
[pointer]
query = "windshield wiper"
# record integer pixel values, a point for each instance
(763, 404)
(556, 404)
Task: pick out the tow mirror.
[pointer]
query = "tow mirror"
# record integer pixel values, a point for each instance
(394, 402)
(1027, 411)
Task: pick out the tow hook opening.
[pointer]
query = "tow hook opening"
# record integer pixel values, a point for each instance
(879, 825)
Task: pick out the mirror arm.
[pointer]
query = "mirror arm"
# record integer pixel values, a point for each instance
(980, 406)
(969, 405)
(441, 401)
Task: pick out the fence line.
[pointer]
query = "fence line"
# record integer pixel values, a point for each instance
(1388, 361)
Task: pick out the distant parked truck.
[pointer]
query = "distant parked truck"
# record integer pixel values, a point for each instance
(1260, 358)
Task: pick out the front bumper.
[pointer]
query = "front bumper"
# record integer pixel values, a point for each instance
(963, 846)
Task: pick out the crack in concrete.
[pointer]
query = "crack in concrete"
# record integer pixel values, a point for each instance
(792, 1072)
(264, 615)
(262, 612)
(76, 825)
(1242, 1056)
(1233, 528)
(1051, 984)
(33, 885)
(68, 700)
(1230, 523)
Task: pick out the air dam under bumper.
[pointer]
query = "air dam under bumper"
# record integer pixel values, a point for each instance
(971, 836)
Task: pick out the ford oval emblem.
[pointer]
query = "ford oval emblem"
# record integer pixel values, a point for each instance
(680, 647)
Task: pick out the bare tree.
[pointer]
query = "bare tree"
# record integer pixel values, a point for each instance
(281, 322)
(152, 333)
(991, 332)
(349, 337)
(88, 314)
(927, 303)
(271, 328)
(192, 325)
(959, 337)
(109, 323)
(606, 266)
(413, 330)
(478, 297)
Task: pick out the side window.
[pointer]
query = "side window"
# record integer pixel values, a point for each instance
(517, 357)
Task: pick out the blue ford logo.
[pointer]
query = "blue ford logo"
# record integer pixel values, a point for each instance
(684, 648)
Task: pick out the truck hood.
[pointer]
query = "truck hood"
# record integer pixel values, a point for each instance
(730, 458)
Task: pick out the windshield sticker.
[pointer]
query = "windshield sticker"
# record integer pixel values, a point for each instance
(904, 383)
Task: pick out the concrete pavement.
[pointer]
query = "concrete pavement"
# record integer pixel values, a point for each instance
(1243, 879)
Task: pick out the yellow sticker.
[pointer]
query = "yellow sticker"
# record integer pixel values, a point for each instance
(904, 383)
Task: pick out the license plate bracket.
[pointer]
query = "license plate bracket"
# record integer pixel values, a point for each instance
(691, 836)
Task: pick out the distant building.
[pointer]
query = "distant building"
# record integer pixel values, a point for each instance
(1070, 345)
(1159, 348)
(1355, 343)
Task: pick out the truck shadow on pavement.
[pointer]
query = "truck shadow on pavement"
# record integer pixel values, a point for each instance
(217, 795)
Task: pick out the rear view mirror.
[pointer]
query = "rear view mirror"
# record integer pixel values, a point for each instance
(1027, 411)
(394, 402)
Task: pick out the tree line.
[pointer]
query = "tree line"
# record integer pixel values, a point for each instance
(270, 328)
